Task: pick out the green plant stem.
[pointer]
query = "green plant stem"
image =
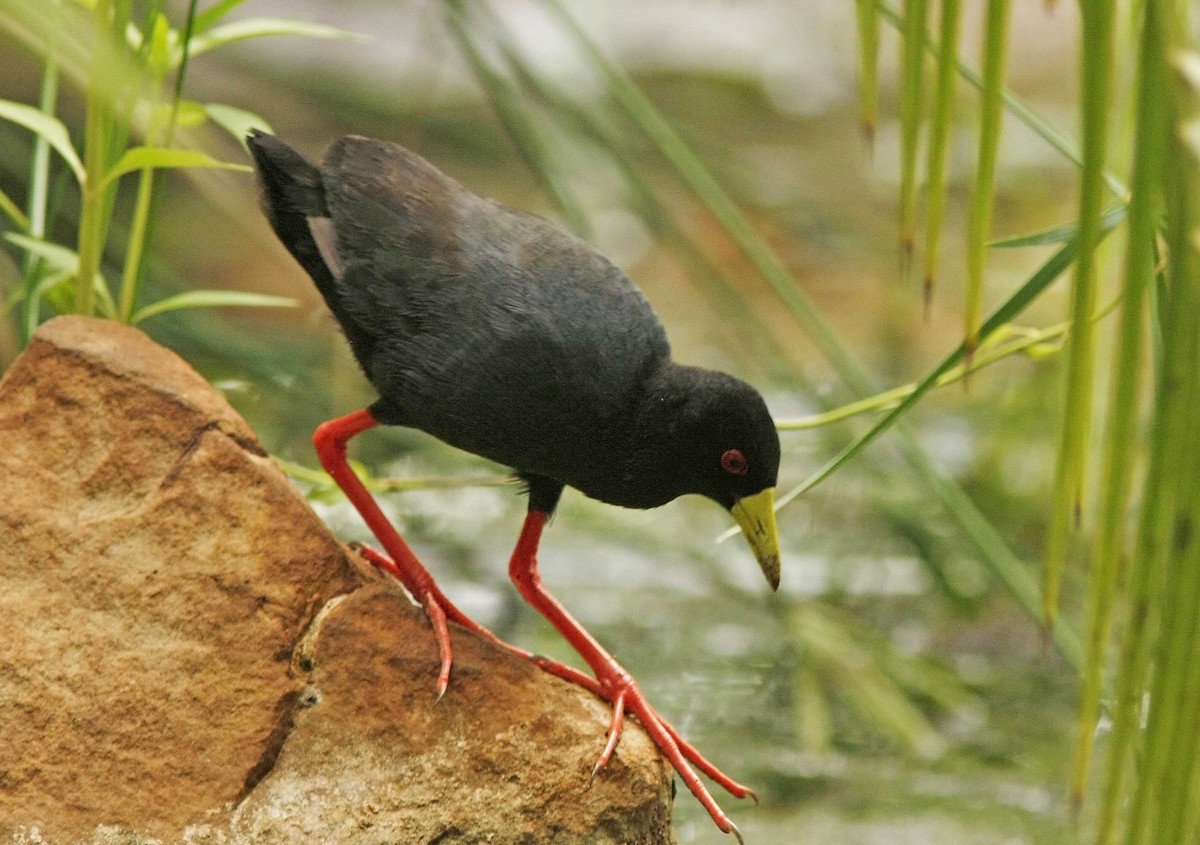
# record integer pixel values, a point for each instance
(517, 122)
(139, 232)
(93, 214)
(39, 196)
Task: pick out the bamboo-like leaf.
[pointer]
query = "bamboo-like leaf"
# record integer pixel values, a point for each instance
(868, 68)
(1070, 475)
(939, 141)
(1015, 107)
(65, 261)
(211, 299)
(1121, 442)
(912, 101)
(58, 257)
(211, 16)
(48, 127)
(1060, 234)
(153, 158)
(220, 35)
(979, 221)
(1165, 581)
(237, 122)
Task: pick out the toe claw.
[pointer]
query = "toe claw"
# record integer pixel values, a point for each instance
(737, 833)
(752, 795)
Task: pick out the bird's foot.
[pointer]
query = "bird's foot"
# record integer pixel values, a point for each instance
(618, 688)
(440, 611)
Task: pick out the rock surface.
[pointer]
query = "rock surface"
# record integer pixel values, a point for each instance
(188, 655)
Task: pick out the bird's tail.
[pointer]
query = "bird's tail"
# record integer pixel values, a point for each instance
(293, 197)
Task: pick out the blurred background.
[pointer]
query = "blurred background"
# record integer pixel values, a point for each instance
(893, 691)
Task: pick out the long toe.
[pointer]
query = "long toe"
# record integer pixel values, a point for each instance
(664, 736)
(442, 611)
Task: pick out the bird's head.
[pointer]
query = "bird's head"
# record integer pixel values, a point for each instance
(716, 438)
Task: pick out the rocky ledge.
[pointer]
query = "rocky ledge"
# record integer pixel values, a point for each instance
(188, 655)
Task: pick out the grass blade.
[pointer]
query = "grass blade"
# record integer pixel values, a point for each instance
(868, 68)
(912, 97)
(939, 141)
(979, 222)
(1018, 109)
(211, 299)
(1071, 472)
(1060, 234)
(153, 158)
(248, 28)
(1121, 440)
(48, 127)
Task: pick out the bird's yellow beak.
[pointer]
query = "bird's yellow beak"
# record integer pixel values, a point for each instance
(756, 516)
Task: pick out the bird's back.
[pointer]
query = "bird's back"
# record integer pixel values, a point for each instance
(486, 327)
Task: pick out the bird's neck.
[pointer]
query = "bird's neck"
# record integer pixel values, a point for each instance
(651, 448)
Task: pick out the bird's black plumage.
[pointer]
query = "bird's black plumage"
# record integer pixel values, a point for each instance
(504, 336)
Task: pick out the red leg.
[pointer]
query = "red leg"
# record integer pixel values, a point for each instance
(330, 440)
(613, 683)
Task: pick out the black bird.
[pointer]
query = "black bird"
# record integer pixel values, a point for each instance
(504, 336)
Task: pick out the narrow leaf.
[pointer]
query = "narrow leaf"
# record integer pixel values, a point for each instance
(1015, 304)
(13, 212)
(48, 127)
(211, 16)
(244, 30)
(939, 141)
(66, 262)
(912, 99)
(980, 219)
(143, 158)
(518, 122)
(237, 122)
(212, 299)
(1097, 62)
(1060, 234)
(868, 67)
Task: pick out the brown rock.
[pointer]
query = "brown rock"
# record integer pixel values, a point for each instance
(162, 675)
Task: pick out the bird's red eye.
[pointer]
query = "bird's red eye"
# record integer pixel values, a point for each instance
(734, 462)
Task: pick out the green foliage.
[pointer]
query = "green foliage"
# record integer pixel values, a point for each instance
(1147, 614)
(132, 73)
